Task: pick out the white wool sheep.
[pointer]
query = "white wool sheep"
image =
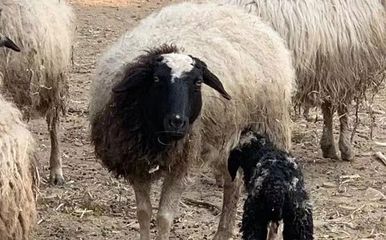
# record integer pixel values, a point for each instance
(339, 47)
(17, 176)
(37, 78)
(219, 42)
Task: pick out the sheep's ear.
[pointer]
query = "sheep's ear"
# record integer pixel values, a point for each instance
(210, 79)
(233, 164)
(131, 82)
(6, 42)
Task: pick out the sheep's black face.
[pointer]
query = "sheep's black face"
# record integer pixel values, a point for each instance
(173, 100)
(170, 93)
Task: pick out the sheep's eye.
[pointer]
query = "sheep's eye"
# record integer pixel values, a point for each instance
(156, 79)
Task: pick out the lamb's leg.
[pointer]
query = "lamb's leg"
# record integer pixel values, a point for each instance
(229, 208)
(56, 172)
(256, 221)
(273, 230)
(298, 225)
(173, 186)
(144, 208)
(344, 137)
(327, 141)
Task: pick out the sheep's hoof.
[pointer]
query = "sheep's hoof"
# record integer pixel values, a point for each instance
(56, 179)
(347, 156)
(329, 152)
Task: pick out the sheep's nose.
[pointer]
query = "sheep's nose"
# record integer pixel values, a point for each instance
(177, 122)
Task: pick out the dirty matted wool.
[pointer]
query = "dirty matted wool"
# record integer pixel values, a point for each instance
(36, 78)
(339, 46)
(18, 176)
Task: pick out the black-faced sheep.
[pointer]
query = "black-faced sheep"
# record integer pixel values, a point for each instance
(155, 109)
(18, 175)
(37, 79)
(339, 49)
(275, 188)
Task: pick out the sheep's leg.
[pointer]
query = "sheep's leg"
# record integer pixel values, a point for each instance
(273, 230)
(229, 208)
(298, 225)
(56, 172)
(173, 186)
(344, 137)
(327, 141)
(256, 221)
(144, 208)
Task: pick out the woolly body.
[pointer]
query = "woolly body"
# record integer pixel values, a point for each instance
(338, 44)
(218, 35)
(339, 51)
(256, 71)
(17, 176)
(37, 78)
(276, 190)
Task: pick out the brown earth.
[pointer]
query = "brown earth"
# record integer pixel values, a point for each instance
(349, 197)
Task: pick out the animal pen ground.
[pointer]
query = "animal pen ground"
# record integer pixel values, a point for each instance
(349, 197)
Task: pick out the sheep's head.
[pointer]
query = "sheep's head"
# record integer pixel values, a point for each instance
(6, 42)
(168, 86)
(247, 154)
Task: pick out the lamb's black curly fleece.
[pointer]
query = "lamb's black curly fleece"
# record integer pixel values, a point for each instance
(275, 187)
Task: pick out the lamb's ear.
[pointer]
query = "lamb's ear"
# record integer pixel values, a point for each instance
(132, 81)
(6, 42)
(210, 79)
(233, 164)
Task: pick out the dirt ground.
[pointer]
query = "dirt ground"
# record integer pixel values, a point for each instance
(349, 197)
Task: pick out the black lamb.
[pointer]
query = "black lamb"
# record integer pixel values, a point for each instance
(275, 187)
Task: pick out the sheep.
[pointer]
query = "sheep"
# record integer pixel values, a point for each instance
(275, 187)
(37, 80)
(154, 110)
(18, 175)
(339, 48)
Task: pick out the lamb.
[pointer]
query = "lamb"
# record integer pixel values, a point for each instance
(18, 175)
(339, 50)
(275, 187)
(37, 79)
(154, 110)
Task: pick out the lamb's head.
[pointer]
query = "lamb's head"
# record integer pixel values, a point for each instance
(247, 154)
(168, 86)
(6, 42)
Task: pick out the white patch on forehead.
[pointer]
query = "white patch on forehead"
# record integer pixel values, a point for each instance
(178, 63)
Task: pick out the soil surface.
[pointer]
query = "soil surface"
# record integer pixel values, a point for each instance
(349, 197)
